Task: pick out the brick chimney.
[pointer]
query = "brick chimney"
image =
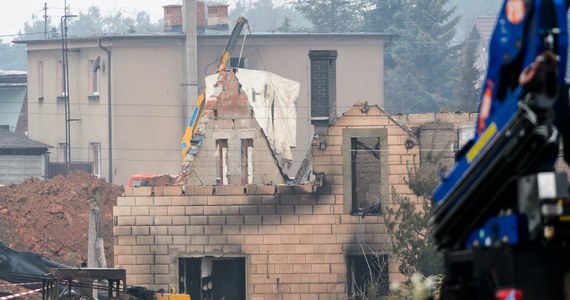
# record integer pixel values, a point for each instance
(200, 16)
(323, 88)
(218, 17)
(173, 18)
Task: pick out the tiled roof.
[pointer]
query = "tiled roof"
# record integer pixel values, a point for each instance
(484, 26)
(11, 140)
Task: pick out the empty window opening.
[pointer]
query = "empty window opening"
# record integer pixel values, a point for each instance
(366, 171)
(60, 80)
(368, 275)
(95, 158)
(208, 278)
(93, 75)
(40, 80)
(246, 161)
(222, 162)
(62, 152)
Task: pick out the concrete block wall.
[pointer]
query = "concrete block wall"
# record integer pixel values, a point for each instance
(438, 141)
(439, 136)
(15, 169)
(295, 244)
(295, 239)
(417, 120)
(400, 159)
(444, 126)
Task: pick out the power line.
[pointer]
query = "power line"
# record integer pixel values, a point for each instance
(19, 22)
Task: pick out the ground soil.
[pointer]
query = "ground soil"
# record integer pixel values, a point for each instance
(51, 217)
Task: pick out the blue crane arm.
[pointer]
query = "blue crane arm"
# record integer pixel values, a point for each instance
(516, 130)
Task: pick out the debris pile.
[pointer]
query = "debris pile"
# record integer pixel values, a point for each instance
(162, 180)
(51, 217)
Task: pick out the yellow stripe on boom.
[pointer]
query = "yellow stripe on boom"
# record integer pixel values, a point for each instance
(191, 126)
(223, 63)
(483, 140)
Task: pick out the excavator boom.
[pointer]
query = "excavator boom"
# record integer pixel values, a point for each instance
(224, 59)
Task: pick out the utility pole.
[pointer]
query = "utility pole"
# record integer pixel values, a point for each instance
(45, 20)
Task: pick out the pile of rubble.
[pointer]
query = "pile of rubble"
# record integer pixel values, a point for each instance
(162, 180)
(51, 217)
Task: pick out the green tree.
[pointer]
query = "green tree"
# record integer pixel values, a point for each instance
(118, 24)
(468, 10)
(240, 10)
(407, 223)
(333, 15)
(267, 16)
(143, 24)
(86, 24)
(421, 60)
(466, 95)
(92, 23)
(411, 239)
(285, 26)
(262, 15)
(385, 16)
(36, 28)
(13, 57)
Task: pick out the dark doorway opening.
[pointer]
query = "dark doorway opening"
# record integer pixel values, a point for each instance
(212, 278)
(368, 274)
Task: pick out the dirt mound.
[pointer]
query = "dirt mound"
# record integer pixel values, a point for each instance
(51, 217)
(162, 180)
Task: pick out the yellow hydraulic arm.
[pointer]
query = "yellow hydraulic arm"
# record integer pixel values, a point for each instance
(201, 101)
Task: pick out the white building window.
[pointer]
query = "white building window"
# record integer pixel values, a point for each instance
(222, 162)
(61, 152)
(40, 80)
(60, 80)
(93, 75)
(95, 158)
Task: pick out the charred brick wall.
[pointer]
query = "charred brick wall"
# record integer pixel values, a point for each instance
(296, 240)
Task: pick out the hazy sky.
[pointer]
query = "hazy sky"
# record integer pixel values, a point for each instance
(13, 13)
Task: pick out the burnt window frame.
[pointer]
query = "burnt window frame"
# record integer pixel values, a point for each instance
(376, 263)
(190, 281)
(350, 204)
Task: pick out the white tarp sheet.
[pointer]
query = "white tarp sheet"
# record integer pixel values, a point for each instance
(274, 102)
